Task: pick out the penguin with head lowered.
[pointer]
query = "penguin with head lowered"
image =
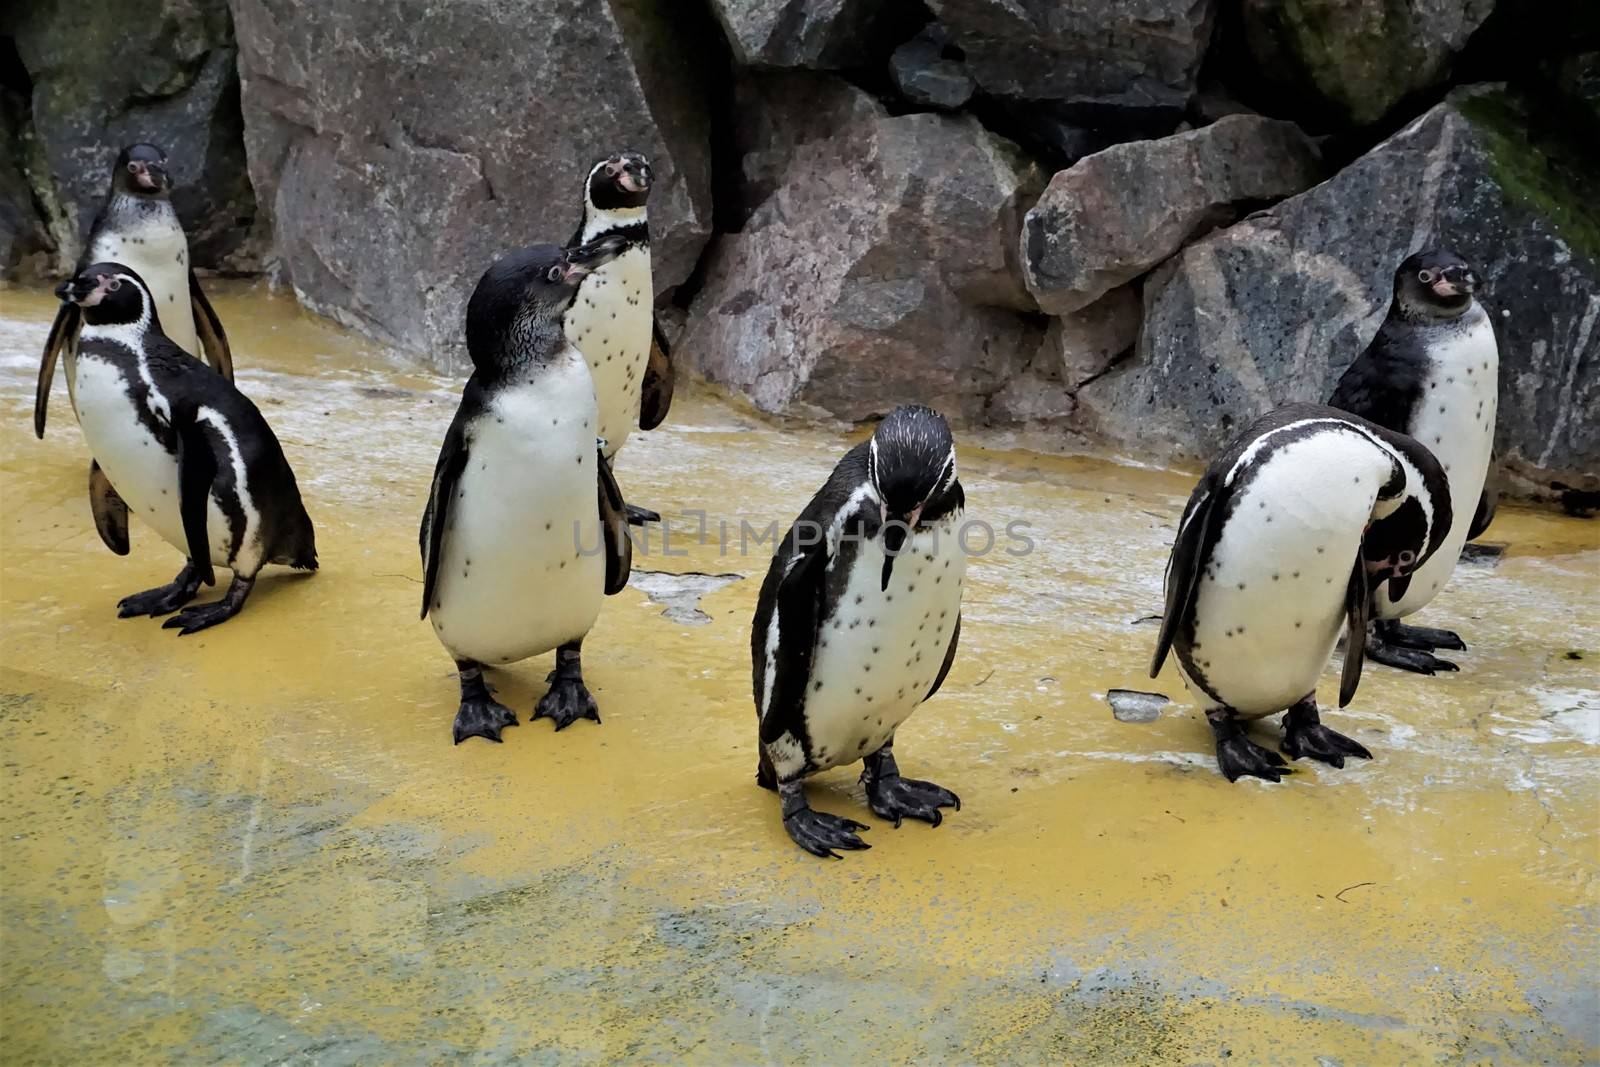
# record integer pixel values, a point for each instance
(1281, 544)
(524, 531)
(612, 320)
(1432, 372)
(857, 624)
(138, 228)
(179, 446)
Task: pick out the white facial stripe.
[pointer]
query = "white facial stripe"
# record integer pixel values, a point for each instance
(872, 463)
(947, 477)
(865, 494)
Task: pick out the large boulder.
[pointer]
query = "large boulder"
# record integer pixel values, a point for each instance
(1358, 58)
(818, 34)
(878, 265)
(23, 240)
(1077, 348)
(1112, 55)
(1115, 214)
(107, 75)
(1274, 308)
(399, 146)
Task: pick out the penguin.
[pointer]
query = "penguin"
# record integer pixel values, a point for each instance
(524, 530)
(857, 624)
(1432, 372)
(612, 321)
(1283, 540)
(138, 227)
(179, 446)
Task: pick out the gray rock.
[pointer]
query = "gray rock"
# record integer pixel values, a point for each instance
(24, 243)
(1116, 214)
(818, 34)
(399, 146)
(1116, 55)
(925, 71)
(1076, 349)
(879, 264)
(107, 75)
(1133, 705)
(1356, 57)
(1274, 308)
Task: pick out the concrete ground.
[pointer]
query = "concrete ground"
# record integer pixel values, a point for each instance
(258, 844)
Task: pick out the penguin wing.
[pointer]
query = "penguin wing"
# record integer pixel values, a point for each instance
(1357, 602)
(435, 518)
(1195, 534)
(209, 329)
(63, 332)
(110, 510)
(197, 469)
(614, 529)
(656, 396)
(1488, 504)
(797, 614)
(949, 658)
(1384, 384)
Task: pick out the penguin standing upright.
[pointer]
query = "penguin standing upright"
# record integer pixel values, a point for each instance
(857, 624)
(1281, 543)
(612, 320)
(1433, 372)
(524, 531)
(180, 447)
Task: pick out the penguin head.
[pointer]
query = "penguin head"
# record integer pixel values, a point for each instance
(110, 294)
(524, 294)
(619, 183)
(141, 170)
(1435, 284)
(1411, 518)
(911, 463)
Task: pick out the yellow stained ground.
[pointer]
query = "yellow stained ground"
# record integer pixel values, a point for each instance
(258, 844)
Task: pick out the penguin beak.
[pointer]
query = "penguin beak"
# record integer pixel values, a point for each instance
(1398, 586)
(635, 179)
(594, 255)
(895, 532)
(1456, 281)
(76, 290)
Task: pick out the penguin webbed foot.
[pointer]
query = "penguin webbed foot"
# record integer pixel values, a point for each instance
(1239, 756)
(481, 716)
(567, 701)
(897, 798)
(1320, 743)
(1426, 638)
(163, 599)
(819, 833)
(203, 616)
(638, 516)
(1416, 660)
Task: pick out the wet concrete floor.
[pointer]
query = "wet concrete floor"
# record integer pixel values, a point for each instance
(258, 844)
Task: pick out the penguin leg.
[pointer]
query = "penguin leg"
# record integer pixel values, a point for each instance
(202, 616)
(1237, 755)
(816, 831)
(1304, 735)
(893, 797)
(1426, 638)
(1380, 649)
(163, 599)
(479, 715)
(568, 699)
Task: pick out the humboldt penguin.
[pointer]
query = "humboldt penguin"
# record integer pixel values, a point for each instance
(1433, 372)
(857, 624)
(180, 447)
(524, 531)
(612, 321)
(1283, 540)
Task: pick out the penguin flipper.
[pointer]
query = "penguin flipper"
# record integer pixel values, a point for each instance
(197, 469)
(1488, 504)
(208, 327)
(949, 658)
(1183, 569)
(655, 396)
(1357, 604)
(798, 613)
(614, 529)
(435, 519)
(63, 332)
(110, 510)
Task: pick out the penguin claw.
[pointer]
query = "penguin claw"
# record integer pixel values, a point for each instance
(162, 600)
(567, 701)
(1320, 743)
(200, 617)
(1425, 638)
(1415, 660)
(1240, 756)
(899, 798)
(819, 833)
(483, 718)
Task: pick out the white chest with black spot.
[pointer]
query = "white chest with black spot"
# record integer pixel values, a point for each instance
(521, 569)
(610, 322)
(153, 243)
(1270, 600)
(1454, 419)
(879, 650)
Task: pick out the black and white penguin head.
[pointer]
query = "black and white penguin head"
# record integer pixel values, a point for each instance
(1434, 284)
(911, 464)
(515, 311)
(141, 170)
(620, 183)
(110, 295)
(1412, 518)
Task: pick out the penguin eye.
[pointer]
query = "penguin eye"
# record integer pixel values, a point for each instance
(113, 285)
(554, 273)
(1407, 557)
(1425, 276)
(133, 168)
